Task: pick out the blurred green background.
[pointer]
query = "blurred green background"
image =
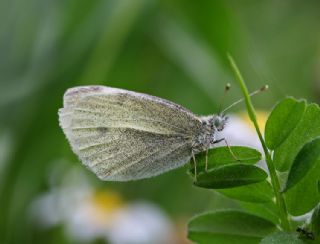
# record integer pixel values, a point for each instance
(173, 49)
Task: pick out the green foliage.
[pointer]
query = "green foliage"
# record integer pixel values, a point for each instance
(304, 196)
(291, 145)
(291, 152)
(226, 170)
(283, 119)
(260, 192)
(230, 175)
(308, 156)
(222, 155)
(315, 222)
(307, 129)
(281, 238)
(267, 210)
(229, 226)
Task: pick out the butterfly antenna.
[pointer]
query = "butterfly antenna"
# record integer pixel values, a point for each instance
(226, 89)
(262, 89)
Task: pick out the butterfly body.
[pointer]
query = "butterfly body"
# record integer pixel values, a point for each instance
(122, 135)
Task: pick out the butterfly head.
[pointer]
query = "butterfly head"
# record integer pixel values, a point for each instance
(207, 135)
(219, 121)
(214, 123)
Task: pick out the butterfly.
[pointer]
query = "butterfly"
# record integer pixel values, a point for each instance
(123, 135)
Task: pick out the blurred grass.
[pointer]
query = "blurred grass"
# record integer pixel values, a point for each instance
(172, 49)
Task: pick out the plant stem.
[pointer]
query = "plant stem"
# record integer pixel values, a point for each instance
(284, 220)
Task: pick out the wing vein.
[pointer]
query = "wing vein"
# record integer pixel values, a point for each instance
(124, 167)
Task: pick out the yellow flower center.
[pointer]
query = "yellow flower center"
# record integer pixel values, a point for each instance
(107, 200)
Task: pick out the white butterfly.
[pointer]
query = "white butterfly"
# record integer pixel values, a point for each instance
(122, 135)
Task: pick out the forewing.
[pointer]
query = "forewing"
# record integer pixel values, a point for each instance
(123, 135)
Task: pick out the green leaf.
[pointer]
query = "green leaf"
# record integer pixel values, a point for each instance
(281, 238)
(304, 196)
(315, 222)
(230, 175)
(222, 155)
(258, 192)
(267, 210)
(283, 177)
(228, 226)
(306, 130)
(283, 119)
(304, 161)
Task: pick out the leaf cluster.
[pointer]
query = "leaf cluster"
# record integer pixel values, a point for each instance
(292, 137)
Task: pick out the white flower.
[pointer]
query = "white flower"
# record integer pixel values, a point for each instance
(88, 214)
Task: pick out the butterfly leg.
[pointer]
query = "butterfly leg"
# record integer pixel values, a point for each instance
(195, 167)
(225, 141)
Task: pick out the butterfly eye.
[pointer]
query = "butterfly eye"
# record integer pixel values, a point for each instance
(217, 123)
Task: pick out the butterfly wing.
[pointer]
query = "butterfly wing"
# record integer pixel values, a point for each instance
(123, 135)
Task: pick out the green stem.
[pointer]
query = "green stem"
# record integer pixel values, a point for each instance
(273, 174)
